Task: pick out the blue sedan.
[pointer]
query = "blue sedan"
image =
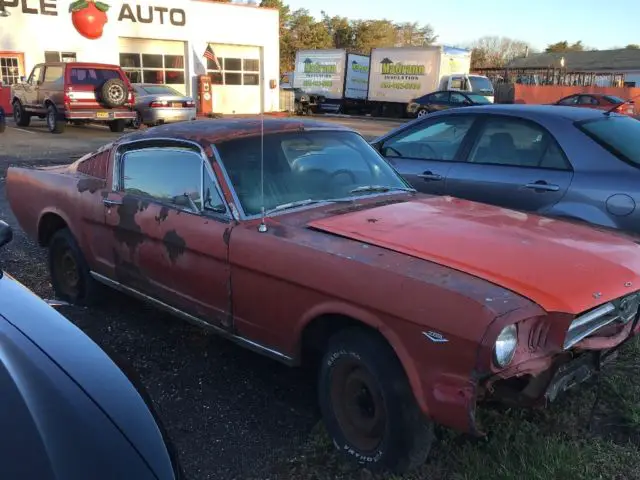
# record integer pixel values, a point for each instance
(574, 163)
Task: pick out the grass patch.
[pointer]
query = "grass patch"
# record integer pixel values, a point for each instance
(592, 433)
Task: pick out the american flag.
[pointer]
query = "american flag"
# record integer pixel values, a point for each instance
(210, 54)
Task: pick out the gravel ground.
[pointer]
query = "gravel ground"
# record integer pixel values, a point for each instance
(231, 413)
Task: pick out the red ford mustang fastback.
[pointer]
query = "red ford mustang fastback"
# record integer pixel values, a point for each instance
(305, 245)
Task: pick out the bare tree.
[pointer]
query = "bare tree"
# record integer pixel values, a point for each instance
(492, 51)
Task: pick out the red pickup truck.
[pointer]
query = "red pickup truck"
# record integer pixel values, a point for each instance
(303, 244)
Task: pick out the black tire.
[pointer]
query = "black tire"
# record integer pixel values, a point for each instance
(117, 126)
(69, 271)
(114, 92)
(21, 117)
(398, 437)
(54, 123)
(137, 123)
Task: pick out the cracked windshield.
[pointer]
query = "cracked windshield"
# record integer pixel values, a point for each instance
(277, 240)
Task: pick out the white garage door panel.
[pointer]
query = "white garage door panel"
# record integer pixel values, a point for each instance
(157, 47)
(241, 99)
(142, 45)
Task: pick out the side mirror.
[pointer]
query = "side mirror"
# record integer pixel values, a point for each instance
(6, 233)
(377, 146)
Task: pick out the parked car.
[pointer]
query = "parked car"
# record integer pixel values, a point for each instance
(68, 411)
(415, 307)
(599, 101)
(3, 120)
(573, 163)
(158, 104)
(442, 100)
(74, 92)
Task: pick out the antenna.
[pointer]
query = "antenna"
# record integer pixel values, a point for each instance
(262, 228)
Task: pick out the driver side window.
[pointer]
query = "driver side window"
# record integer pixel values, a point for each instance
(169, 175)
(435, 140)
(35, 75)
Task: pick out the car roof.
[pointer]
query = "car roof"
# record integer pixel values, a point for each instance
(211, 131)
(532, 111)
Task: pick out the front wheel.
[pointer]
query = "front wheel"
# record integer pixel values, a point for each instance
(20, 116)
(422, 113)
(368, 406)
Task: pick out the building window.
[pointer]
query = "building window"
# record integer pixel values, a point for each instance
(153, 68)
(9, 70)
(235, 71)
(51, 57)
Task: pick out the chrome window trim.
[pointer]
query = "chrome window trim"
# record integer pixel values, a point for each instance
(117, 175)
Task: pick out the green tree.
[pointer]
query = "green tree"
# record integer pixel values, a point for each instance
(633, 46)
(410, 34)
(374, 33)
(341, 31)
(493, 51)
(565, 46)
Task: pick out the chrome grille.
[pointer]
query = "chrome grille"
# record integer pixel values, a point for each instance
(622, 311)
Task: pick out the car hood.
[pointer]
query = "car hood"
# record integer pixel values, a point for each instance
(88, 397)
(561, 266)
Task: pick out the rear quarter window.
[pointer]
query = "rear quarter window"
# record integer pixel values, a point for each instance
(92, 76)
(620, 135)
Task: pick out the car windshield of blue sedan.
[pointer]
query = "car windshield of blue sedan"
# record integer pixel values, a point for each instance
(305, 166)
(618, 134)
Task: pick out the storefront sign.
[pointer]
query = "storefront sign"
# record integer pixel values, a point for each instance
(32, 7)
(128, 12)
(175, 16)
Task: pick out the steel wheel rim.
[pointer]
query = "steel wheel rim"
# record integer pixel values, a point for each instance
(358, 405)
(67, 274)
(422, 113)
(116, 93)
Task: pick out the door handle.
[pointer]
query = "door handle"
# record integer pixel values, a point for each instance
(111, 203)
(542, 186)
(430, 176)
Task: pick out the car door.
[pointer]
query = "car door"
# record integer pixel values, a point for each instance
(458, 100)
(168, 224)
(52, 87)
(424, 153)
(512, 163)
(31, 87)
(438, 101)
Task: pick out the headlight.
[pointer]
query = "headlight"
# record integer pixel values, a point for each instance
(505, 346)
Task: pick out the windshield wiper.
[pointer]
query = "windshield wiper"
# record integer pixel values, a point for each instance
(380, 188)
(302, 203)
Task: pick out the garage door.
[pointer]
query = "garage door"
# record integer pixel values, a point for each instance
(236, 88)
(154, 61)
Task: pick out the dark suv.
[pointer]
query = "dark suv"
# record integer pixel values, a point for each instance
(76, 92)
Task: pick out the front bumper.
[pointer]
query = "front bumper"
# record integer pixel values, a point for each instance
(168, 115)
(100, 115)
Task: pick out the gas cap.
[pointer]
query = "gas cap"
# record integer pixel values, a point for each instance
(620, 205)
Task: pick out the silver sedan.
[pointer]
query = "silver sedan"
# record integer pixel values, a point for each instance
(158, 104)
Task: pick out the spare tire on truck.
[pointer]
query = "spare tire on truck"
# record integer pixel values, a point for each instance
(113, 93)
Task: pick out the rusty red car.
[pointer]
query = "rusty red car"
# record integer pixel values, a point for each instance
(298, 240)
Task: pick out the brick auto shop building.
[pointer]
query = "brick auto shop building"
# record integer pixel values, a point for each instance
(154, 41)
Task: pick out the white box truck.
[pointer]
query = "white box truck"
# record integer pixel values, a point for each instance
(338, 78)
(399, 75)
